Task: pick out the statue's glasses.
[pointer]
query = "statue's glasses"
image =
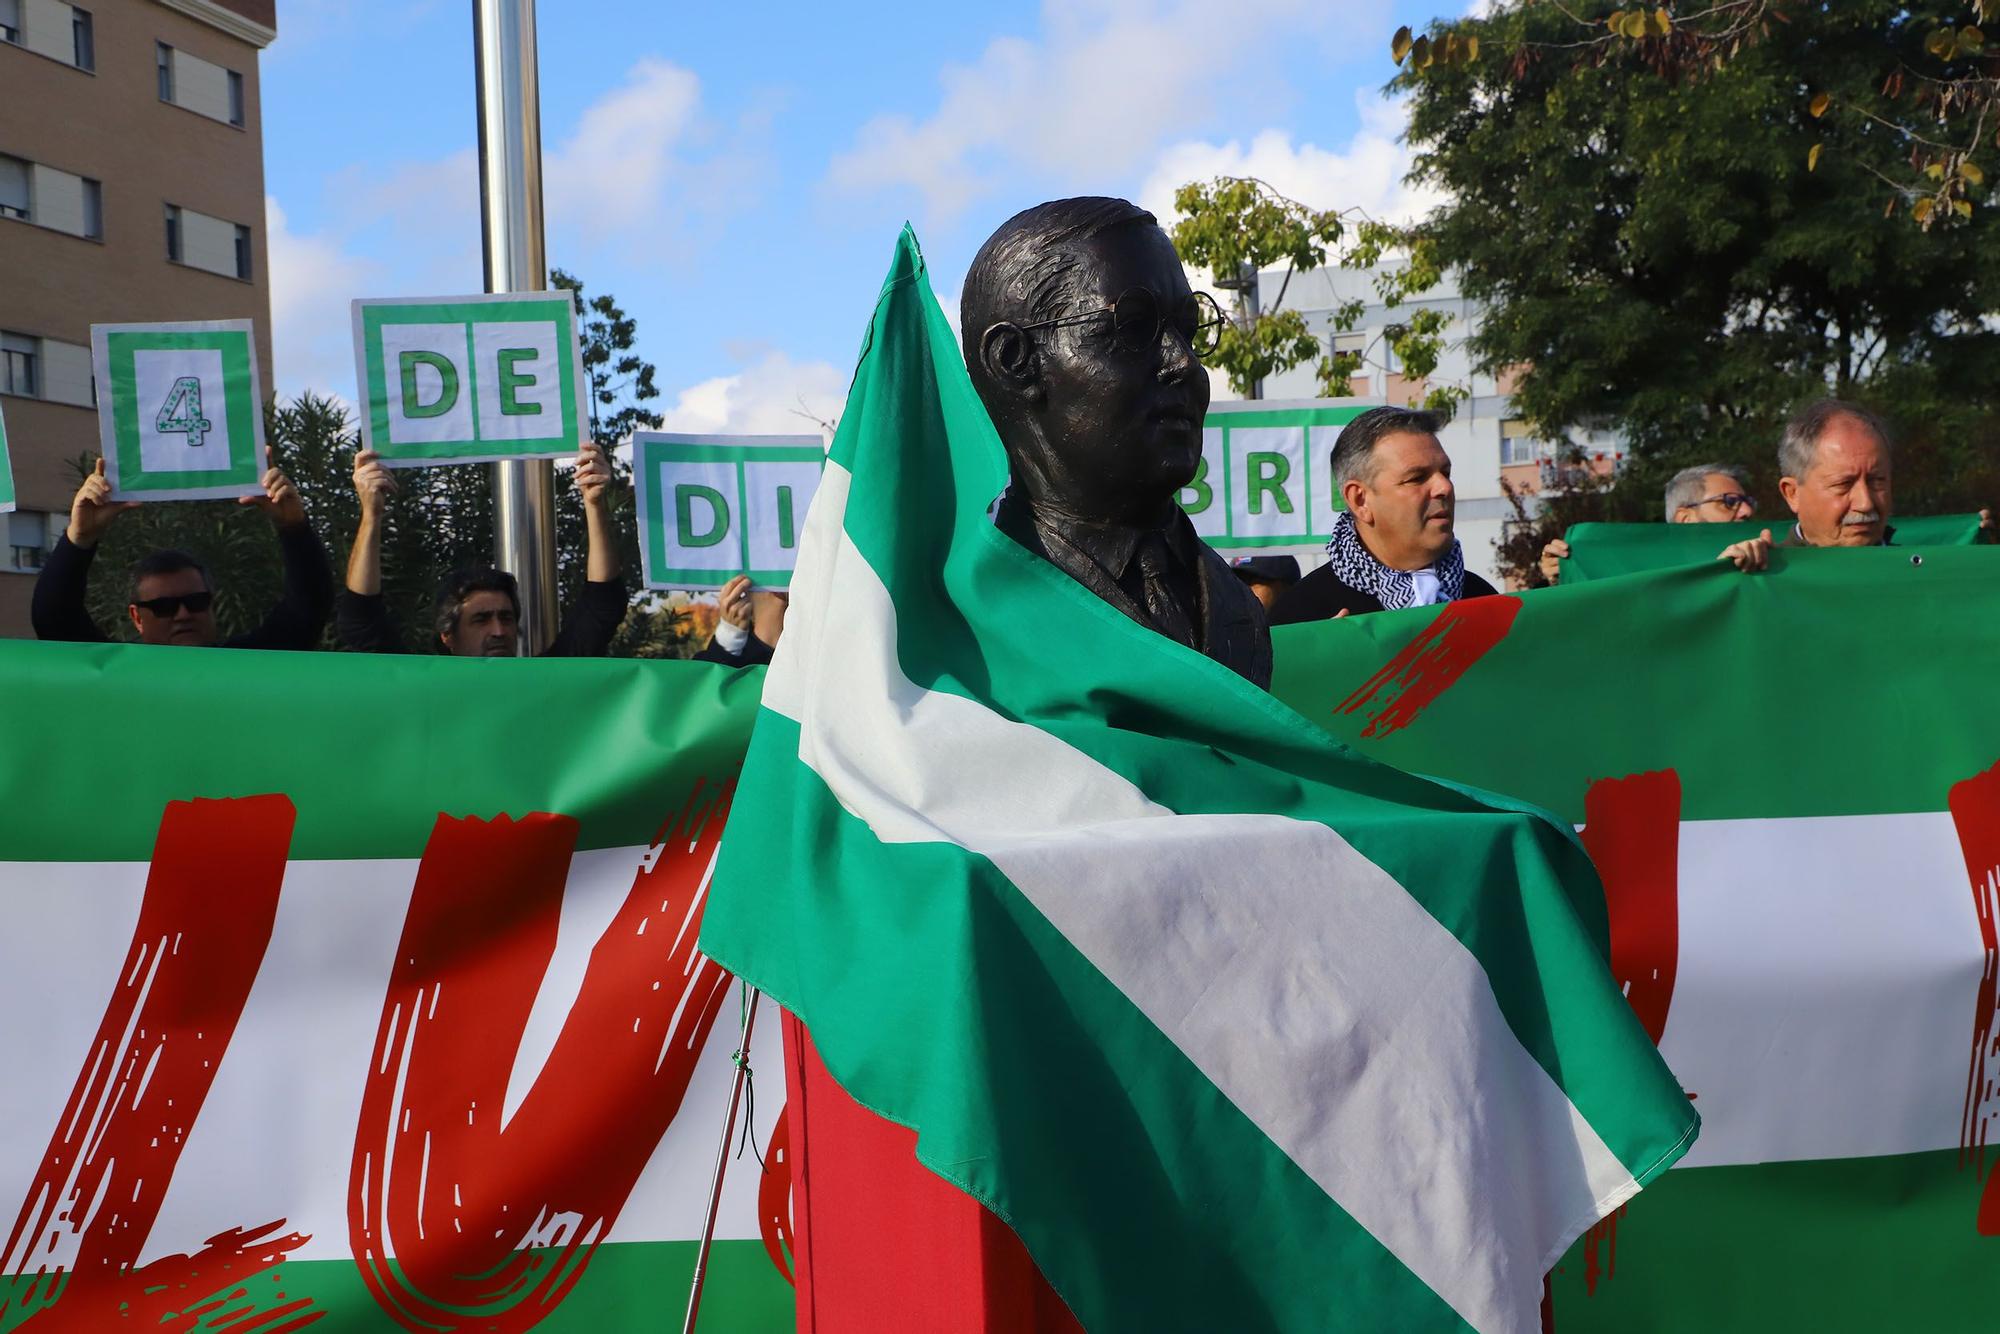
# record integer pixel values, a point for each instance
(1137, 318)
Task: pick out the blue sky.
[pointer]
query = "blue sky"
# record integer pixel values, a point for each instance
(736, 173)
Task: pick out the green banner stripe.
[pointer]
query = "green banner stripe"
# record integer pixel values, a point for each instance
(628, 1286)
(1848, 682)
(1607, 550)
(370, 748)
(1037, 1086)
(1854, 1244)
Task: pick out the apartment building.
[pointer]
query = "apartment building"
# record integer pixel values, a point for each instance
(1487, 441)
(131, 188)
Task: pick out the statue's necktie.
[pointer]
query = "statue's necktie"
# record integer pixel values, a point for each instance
(1162, 609)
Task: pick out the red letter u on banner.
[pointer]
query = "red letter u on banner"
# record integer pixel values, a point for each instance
(491, 1225)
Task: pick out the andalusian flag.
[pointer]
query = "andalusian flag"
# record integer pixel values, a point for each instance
(1238, 1029)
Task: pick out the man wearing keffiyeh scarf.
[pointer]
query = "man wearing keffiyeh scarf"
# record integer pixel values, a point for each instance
(1393, 546)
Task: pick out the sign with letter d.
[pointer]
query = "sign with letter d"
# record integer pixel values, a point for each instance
(715, 506)
(467, 379)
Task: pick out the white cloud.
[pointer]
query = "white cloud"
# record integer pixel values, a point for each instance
(772, 395)
(612, 173)
(312, 281)
(1106, 81)
(1365, 173)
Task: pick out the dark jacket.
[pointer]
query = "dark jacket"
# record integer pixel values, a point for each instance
(1225, 617)
(1321, 596)
(294, 623)
(362, 623)
(756, 653)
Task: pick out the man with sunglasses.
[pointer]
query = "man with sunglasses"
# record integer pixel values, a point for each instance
(172, 599)
(1085, 345)
(1705, 493)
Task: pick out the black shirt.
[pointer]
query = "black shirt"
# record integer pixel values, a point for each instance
(1320, 596)
(361, 620)
(294, 623)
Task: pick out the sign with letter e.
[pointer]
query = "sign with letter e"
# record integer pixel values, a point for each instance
(469, 379)
(715, 506)
(180, 411)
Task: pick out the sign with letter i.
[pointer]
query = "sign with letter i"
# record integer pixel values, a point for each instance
(715, 506)
(180, 409)
(465, 379)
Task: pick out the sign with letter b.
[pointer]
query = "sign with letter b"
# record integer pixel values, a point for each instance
(469, 378)
(715, 506)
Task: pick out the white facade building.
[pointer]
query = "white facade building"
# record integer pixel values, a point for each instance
(1485, 440)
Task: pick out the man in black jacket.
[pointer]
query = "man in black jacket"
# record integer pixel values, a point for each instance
(1393, 546)
(172, 599)
(478, 611)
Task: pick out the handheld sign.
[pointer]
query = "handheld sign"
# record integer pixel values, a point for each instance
(468, 379)
(715, 506)
(1265, 478)
(6, 471)
(180, 412)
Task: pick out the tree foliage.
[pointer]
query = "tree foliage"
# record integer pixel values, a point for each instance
(1636, 199)
(1236, 226)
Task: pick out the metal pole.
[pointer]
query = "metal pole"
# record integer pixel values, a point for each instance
(510, 213)
(721, 1165)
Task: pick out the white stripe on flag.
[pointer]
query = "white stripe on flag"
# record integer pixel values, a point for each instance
(1317, 995)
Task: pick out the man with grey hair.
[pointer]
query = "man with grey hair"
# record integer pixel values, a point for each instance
(1835, 466)
(1394, 544)
(1705, 493)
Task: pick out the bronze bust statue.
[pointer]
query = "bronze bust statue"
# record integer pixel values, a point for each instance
(1084, 343)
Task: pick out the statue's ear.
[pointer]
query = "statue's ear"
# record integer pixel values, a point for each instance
(1008, 357)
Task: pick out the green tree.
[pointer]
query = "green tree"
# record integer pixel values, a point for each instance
(1674, 239)
(1238, 227)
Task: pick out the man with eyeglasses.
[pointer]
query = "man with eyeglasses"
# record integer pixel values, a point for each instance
(1705, 493)
(172, 599)
(1085, 344)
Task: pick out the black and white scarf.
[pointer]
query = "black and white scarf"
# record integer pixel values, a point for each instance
(1356, 567)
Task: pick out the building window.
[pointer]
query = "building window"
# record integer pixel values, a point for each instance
(242, 252)
(174, 233)
(1353, 343)
(84, 37)
(1517, 445)
(14, 197)
(28, 535)
(10, 21)
(20, 365)
(235, 98)
(165, 55)
(93, 209)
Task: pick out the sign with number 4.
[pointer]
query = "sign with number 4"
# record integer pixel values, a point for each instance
(179, 409)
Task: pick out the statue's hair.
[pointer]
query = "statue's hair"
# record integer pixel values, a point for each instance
(1023, 273)
(1685, 490)
(1799, 446)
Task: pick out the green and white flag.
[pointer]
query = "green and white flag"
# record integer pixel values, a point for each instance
(180, 409)
(466, 379)
(6, 469)
(1237, 1029)
(1790, 785)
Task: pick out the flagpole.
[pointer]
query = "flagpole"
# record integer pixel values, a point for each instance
(721, 1165)
(510, 213)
